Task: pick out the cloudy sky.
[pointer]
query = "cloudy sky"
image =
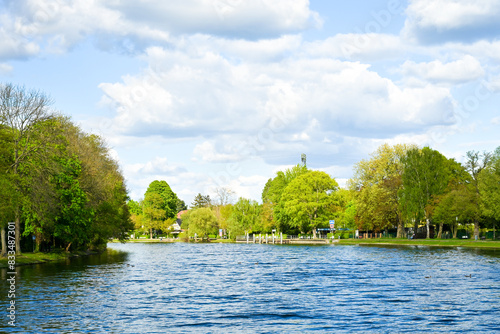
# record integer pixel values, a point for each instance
(223, 93)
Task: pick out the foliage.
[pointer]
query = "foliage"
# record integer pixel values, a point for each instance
(376, 184)
(271, 195)
(201, 201)
(245, 217)
(200, 222)
(160, 204)
(66, 189)
(426, 175)
(489, 187)
(310, 200)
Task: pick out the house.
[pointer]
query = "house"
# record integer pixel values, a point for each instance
(177, 225)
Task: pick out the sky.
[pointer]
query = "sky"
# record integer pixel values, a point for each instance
(206, 94)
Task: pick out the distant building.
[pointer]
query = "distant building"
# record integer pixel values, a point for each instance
(178, 223)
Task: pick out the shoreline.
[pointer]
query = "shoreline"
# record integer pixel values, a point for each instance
(27, 259)
(467, 243)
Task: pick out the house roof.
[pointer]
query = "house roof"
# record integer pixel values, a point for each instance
(181, 213)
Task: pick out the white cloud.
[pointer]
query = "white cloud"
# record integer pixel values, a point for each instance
(206, 152)
(363, 47)
(159, 165)
(448, 20)
(459, 71)
(192, 92)
(28, 27)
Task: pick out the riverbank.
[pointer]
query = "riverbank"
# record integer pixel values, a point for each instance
(26, 259)
(488, 244)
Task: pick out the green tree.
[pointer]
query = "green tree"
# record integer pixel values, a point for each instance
(200, 222)
(489, 188)
(426, 175)
(160, 204)
(376, 184)
(310, 200)
(181, 205)
(21, 111)
(245, 217)
(7, 190)
(201, 201)
(475, 163)
(272, 197)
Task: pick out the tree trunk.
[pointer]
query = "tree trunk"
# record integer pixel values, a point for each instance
(151, 233)
(401, 228)
(18, 233)
(476, 229)
(38, 241)
(455, 229)
(4, 242)
(440, 233)
(428, 229)
(67, 247)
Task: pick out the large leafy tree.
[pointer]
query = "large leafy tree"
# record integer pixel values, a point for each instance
(310, 200)
(276, 215)
(489, 188)
(476, 163)
(200, 222)
(7, 190)
(160, 204)
(245, 217)
(457, 200)
(426, 175)
(21, 111)
(376, 184)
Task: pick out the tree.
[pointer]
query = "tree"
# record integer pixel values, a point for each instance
(160, 204)
(310, 200)
(489, 188)
(200, 222)
(376, 184)
(425, 175)
(181, 205)
(272, 194)
(7, 190)
(245, 217)
(201, 201)
(20, 112)
(476, 162)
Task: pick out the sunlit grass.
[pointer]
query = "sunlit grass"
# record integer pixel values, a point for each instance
(427, 242)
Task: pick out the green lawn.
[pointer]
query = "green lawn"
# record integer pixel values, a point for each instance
(425, 242)
(33, 258)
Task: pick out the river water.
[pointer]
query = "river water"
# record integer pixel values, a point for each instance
(240, 288)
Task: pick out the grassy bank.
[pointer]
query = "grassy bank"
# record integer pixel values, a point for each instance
(425, 242)
(37, 258)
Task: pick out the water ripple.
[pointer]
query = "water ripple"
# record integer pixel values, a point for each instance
(213, 288)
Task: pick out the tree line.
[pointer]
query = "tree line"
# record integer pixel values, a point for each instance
(404, 186)
(398, 189)
(58, 184)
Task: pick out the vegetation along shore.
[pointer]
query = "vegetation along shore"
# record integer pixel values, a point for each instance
(62, 191)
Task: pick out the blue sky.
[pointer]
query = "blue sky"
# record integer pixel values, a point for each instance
(224, 93)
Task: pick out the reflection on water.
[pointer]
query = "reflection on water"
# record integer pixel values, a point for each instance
(186, 288)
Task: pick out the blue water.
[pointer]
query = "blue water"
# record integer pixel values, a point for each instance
(240, 288)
